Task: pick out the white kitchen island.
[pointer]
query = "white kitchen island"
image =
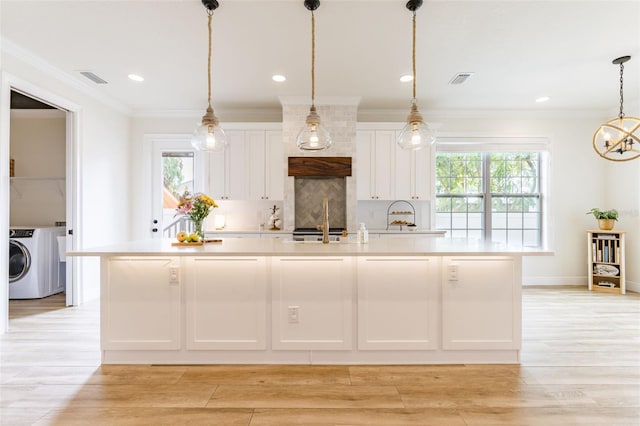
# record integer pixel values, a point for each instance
(256, 301)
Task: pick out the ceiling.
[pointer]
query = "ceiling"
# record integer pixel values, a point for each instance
(518, 50)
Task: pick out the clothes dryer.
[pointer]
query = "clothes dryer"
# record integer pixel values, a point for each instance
(34, 262)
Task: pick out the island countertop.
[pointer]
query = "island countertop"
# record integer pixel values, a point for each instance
(283, 247)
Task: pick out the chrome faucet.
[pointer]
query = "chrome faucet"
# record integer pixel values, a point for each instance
(325, 220)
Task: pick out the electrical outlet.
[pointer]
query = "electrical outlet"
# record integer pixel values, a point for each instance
(293, 313)
(174, 275)
(453, 272)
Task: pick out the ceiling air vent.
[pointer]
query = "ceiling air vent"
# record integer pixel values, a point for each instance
(91, 76)
(460, 78)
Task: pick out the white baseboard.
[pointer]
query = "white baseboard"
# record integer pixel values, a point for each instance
(576, 281)
(579, 280)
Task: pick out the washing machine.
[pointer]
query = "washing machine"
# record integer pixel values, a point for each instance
(34, 262)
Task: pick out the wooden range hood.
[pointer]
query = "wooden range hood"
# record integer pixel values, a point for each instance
(319, 166)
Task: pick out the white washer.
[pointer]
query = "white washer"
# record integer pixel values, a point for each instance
(34, 262)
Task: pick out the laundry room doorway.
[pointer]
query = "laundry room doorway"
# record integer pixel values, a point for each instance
(41, 208)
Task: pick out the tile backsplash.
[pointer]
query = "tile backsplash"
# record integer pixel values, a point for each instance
(309, 193)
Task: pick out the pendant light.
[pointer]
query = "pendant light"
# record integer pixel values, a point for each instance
(619, 139)
(416, 134)
(209, 136)
(313, 136)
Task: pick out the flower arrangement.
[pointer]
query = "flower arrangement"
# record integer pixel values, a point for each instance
(196, 207)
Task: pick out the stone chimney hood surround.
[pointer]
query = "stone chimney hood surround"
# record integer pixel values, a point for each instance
(319, 166)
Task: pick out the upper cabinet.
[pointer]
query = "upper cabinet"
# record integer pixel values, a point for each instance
(375, 168)
(250, 168)
(227, 169)
(386, 172)
(265, 165)
(413, 174)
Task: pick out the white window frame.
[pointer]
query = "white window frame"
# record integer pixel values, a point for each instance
(488, 144)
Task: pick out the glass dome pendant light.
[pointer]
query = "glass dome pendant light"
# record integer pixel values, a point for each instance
(416, 134)
(209, 136)
(619, 139)
(313, 136)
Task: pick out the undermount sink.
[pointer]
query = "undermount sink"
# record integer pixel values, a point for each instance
(315, 241)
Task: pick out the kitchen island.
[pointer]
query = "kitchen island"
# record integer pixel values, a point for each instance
(244, 300)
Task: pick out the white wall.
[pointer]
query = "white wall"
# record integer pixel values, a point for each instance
(38, 147)
(102, 154)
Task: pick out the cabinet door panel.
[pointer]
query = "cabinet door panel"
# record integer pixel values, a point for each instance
(397, 303)
(275, 165)
(404, 174)
(140, 308)
(364, 168)
(385, 150)
(255, 164)
(481, 309)
(421, 174)
(226, 303)
(235, 169)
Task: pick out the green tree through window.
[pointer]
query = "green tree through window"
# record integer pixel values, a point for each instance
(489, 195)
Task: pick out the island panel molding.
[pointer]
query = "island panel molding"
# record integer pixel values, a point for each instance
(397, 303)
(225, 302)
(140, 307)
(273, 301)
(481, 303)
(312, 303)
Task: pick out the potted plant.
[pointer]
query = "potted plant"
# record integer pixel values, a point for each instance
(606, 218)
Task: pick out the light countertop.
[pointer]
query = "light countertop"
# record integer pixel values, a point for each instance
(280, 247)
(371, 231)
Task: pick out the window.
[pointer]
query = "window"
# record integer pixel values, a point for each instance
(490, 195)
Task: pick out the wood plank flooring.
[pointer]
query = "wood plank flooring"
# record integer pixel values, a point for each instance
(580, 366)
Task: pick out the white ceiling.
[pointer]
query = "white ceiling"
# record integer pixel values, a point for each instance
(518, 50)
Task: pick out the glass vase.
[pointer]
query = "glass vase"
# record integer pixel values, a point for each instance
(197, 228)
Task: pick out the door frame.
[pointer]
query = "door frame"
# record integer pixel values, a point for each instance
(9, 82)
(168, 142)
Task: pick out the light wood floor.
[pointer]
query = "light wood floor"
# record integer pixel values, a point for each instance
(580, 366)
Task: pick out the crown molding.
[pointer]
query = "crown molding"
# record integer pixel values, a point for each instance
(375, 115)
(225, 115)
(10, 48)
(320, 100)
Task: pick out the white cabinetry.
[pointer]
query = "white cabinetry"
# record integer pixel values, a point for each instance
(140, 303)
(312, 298)
(413, 174)
(265, 164)
(226, 303)
(375, 155)
(227, 171)
(398, 303)
(481, 299)
(386, 172)
(250, 168)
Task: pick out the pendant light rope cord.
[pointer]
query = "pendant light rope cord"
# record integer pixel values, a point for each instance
(210, 15)
(621, 115)
(413, 55)
(313, 59)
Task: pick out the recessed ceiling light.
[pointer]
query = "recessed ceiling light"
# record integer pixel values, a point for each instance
(278, 78)
(136, 77)
(406, 78)
(542, 99)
